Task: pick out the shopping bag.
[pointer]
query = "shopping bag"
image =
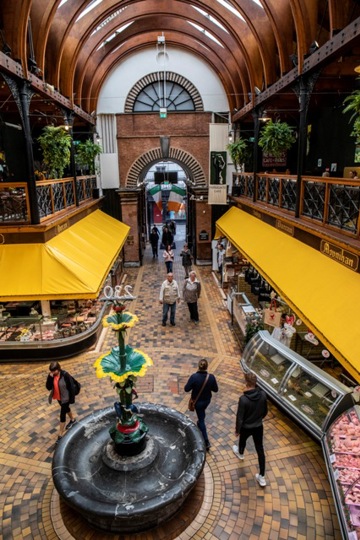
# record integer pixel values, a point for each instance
(272, 317)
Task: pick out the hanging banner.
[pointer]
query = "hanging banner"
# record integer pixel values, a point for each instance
(218, 168)
(217, 195)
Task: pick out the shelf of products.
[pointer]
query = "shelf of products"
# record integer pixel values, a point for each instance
(307, 393)
(341, 446)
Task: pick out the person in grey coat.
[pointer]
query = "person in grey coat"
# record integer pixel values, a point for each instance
(191, 295)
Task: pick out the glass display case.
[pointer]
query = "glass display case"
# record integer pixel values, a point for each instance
(341, 446)
(307, 393)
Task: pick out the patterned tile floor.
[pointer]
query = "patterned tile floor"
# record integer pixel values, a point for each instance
(297, 502)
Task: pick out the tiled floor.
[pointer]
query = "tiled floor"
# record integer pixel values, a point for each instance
(297, 502)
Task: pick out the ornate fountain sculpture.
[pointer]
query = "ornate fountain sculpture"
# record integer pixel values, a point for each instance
(123, 365)
(142, 474)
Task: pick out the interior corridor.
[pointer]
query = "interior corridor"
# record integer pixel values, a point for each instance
(296, 504)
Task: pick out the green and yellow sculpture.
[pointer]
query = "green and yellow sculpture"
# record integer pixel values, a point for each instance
(123, 365)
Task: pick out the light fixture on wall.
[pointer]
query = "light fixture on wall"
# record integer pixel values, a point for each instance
(162, 58)
(264, 117)
(314, 47)
(231, 136)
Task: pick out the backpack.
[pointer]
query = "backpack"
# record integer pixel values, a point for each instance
(75, 385)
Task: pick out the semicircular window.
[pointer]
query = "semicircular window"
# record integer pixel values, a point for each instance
(151, 98)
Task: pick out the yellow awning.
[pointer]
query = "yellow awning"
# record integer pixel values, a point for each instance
(324, 294)
(73, 264)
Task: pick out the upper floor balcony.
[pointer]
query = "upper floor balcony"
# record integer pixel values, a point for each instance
(54, 198)
(328, 205)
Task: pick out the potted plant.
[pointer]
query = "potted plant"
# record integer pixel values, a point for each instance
(352, 103)
(276, 137)
(237, 151)
(55, 143)
(85, 155)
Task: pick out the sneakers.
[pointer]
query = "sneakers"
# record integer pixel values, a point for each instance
(70, 424)
(236, 452)
(261, 480)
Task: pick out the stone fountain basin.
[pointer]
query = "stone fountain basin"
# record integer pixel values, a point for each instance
(129, 494)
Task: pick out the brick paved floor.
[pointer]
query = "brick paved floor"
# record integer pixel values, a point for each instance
(297, 502)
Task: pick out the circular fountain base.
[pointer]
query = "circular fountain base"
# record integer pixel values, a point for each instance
(129, 493)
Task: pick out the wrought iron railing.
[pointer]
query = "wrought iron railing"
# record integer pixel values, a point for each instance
(53, 196)
(334, 202)
(14, 203)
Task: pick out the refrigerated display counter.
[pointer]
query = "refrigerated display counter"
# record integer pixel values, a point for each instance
(307, 393)
(341, 446)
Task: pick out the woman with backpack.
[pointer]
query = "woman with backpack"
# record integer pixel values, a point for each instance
(62, 387)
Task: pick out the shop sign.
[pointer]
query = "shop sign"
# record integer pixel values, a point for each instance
(340, 255)
(203, 235)
(130, 240)
(284, 227)
(61, 227)
(271, 161)
(217, 195)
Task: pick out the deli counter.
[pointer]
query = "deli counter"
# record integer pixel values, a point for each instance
(307, 393)
(341, 446)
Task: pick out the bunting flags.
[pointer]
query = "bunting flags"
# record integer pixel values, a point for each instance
(176, 197)
(156, 194)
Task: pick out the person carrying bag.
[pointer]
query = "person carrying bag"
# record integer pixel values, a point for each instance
(201, 384)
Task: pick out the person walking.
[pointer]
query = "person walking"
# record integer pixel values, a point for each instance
(191, 295)
(168, 255)
(186, 259)
(201, 385)
(252, 409)
(154, 241)
(169, 296)
(167, 238)
(58, 382)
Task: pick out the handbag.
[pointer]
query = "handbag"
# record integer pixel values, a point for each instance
(192, 402)
(272, 317)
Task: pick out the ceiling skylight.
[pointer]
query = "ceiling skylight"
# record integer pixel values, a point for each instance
(207, 34)
(231, 8)
(118, 31)
(211, 18)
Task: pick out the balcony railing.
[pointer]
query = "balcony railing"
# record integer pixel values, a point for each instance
(53, 196)
(334, 202)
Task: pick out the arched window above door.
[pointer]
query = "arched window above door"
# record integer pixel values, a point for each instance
(147, 95)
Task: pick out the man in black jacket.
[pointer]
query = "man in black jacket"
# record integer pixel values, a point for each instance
(252, 409)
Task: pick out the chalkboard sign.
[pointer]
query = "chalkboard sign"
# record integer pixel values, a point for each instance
(203, 235)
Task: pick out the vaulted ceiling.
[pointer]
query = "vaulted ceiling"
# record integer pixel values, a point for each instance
(253, 45)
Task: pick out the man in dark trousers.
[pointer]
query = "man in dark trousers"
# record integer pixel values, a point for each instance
(252, 409)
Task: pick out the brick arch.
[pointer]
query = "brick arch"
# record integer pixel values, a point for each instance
(190, 165)
(170, 76)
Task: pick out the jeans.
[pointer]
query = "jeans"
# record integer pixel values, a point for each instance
(257, 435)
(200, 408)
(169, 265)
(166, 308)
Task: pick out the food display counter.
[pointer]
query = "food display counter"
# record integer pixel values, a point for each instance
(341, 446)
(307, 393)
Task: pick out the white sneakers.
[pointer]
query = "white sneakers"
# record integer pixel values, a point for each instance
(236, 452)
(261, 480)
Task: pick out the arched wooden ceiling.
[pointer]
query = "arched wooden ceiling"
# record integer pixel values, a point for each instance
(72, 50)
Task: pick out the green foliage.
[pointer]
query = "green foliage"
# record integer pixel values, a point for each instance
(352, 105)
(237, 151)
(85, 155)
(276, 137)
(55, 143)
(253, 326)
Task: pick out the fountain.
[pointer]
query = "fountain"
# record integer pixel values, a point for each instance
(142, 474)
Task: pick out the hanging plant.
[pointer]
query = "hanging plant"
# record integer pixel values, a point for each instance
(352, 103)
(237, 151)
(55, 143)
(276, 137)
(85, 155)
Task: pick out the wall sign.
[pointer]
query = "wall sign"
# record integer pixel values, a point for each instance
(203, 235)
(340, 255)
